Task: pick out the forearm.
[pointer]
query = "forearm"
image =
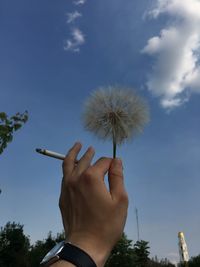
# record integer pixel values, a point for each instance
(62, 264)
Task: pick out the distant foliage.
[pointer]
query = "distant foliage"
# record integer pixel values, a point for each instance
(194, 261)
(8, 126)
(162, 263)
(41, 248)
(141, 251)
(16, 251)
(14, 246)
(125, 254)
(122, 254)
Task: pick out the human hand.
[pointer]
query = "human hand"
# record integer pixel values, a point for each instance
(93, 216)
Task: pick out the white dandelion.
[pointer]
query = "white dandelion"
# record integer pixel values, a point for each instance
(116, 114)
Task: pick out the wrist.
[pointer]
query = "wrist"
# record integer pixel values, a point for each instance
(94, 249)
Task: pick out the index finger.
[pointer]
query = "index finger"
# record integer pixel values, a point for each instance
(70, 159)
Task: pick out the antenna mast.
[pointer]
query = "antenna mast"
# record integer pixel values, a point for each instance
(138, 233)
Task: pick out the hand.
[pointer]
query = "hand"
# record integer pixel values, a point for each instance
(93, 216)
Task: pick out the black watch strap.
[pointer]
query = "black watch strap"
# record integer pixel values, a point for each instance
(76, 256)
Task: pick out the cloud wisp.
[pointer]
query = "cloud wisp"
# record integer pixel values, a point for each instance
(77, 38)
(79, 2)
(71, 17)
(73, 44)
(176, 71)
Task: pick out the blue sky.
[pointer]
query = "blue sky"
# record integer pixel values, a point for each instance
(53, 55)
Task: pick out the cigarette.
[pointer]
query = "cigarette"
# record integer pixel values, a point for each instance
(50, 153)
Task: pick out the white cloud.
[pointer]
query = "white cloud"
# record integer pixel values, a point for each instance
(79, 2)
(176, 72)
(71, 17)
(75, 42)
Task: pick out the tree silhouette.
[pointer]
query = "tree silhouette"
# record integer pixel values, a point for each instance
(8, 126)
(194, 261)
(14, 246)
(41, 248)
(122, 254)
(141, 250)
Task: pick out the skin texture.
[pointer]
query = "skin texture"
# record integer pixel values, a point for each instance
(93, 216)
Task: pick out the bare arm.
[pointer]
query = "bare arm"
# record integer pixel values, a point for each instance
(62, 264)
(93, 216)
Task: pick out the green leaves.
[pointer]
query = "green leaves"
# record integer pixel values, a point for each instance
(3, 116)
(122, 254)
(194, 261)
(8, 126)
(16, 250)
(141, 250)
(14, 246)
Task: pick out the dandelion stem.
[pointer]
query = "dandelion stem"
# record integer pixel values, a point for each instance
(114, 145)
(114, 149)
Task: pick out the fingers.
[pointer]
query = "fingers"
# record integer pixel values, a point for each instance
(115, 179)
(101, 166)
(73, 169)
(85, 161)
(99, 169)
(69, 161)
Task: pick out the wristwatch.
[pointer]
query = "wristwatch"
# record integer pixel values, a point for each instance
(68, 252)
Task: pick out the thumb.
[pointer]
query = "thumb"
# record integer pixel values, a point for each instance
(115, 179)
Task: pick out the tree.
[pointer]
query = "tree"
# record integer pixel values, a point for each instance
(8, 126)
(14, 246)
(122, 254)
(141, 251)
(162, 263)
(41, 248)
(15, 250)
(194, 261)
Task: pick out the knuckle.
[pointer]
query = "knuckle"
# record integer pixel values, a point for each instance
(71, 183)
(67, 159)
(116, 174)
(103, 158)
(123, 198)
(88, 173)
(88, 176)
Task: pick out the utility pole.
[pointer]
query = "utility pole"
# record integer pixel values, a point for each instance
(138, 232)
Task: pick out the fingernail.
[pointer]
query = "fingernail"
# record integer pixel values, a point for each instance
(117, 163)
(118, 160)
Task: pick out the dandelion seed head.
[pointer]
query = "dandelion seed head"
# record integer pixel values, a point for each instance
(115, 112)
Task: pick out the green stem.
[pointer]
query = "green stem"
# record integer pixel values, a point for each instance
(114, 150)
(114, 146)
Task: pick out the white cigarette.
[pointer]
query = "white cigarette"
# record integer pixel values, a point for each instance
(50, 153)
